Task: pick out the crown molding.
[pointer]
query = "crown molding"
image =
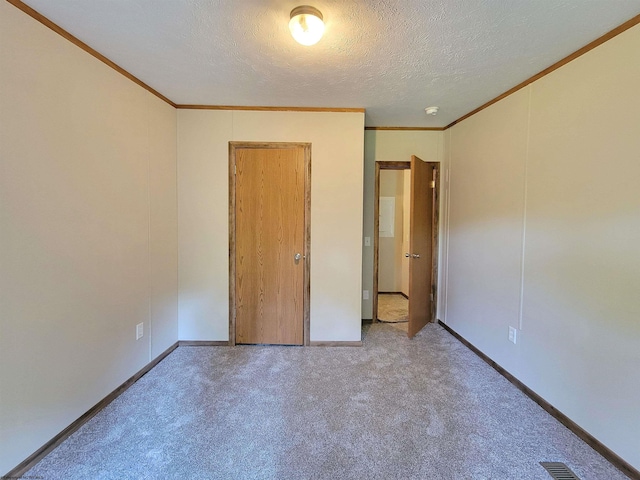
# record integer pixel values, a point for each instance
(79, 43)
(578, 53)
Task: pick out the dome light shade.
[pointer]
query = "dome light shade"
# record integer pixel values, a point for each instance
(306, 25)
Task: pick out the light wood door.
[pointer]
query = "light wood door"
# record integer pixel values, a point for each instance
(270, 253)
(421, 244)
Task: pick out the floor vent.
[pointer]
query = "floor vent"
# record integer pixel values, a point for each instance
(559, 471)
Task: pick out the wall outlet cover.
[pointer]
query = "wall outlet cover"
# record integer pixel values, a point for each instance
(365, 294)
(139, 331)
(513, 335)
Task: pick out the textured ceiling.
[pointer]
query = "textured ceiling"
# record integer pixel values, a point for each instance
(393, 58)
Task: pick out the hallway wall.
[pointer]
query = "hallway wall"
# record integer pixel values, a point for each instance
(390, 248)
(396, 146)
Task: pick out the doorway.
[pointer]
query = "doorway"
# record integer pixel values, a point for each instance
(269, 243)
(393, 239)
(416, 252)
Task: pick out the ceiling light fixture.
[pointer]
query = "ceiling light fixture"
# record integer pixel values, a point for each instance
(306, 25)
(431, 110)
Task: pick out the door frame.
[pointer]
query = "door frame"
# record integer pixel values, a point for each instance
(389, 165)
(233, 147)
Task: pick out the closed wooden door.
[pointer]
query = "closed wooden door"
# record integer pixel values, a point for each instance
(421, 243)
(270, 243)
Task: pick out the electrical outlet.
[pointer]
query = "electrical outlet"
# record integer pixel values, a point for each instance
(139, 331)
(367, 241)
(513, 335)
(365, 294)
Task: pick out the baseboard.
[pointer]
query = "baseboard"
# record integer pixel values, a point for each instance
(589, 439)
(205, 343)
(335, 344)
(394, 293)
(43, 451)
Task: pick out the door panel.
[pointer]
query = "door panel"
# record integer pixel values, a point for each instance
(270, 231)
(420, 241)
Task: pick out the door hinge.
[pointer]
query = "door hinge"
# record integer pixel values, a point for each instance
(235, 169)
(433, 184)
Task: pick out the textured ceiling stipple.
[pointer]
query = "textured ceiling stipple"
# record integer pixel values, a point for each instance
(393, 58)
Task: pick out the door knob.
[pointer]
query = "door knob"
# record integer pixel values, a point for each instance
(412, 255)
(297, 257)
(407, 255)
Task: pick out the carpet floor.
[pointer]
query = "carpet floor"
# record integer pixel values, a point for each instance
(426, 408)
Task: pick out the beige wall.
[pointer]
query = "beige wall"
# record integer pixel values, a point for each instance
(336, 215)
(393, 146)
(390, 250)
(545, 236)
(540, 231)
(87, 231)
